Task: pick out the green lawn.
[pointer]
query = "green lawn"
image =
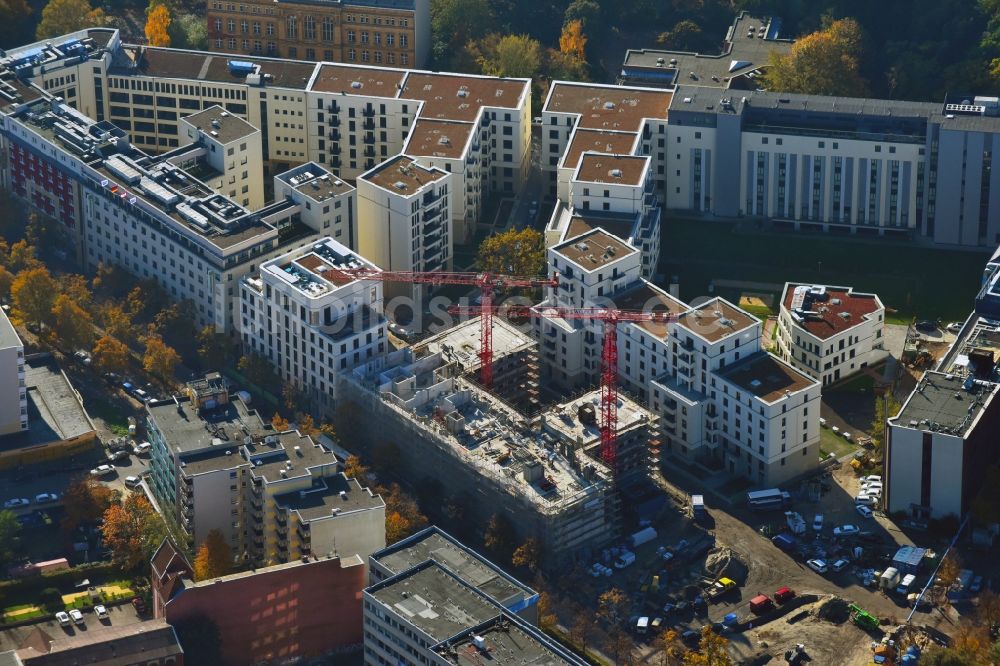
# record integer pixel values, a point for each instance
(115, 417)
(830, 441)
(915, 280)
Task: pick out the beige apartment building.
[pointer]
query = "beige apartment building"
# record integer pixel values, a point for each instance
(379, 32)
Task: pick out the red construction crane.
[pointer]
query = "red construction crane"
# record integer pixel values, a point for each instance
(487, 283)
(609, 355)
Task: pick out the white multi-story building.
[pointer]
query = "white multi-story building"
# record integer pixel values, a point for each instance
(232, 148)
(829, 332)
(323, 201)
(312, 322)
(274, 496)
(13, 395)
(405, 208)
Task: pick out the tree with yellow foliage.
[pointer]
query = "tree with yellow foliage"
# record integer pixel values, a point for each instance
(160, 359)
(214, 557)
(33, 294)
(62, 16)
(572, 41)
(826, 62)
(110, 355)
(157, 23)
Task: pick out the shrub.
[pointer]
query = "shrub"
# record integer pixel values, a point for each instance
(51, 599)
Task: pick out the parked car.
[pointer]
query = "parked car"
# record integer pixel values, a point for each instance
(870, 478)
(140, 449)
(866, 499)
(691, 637)
(115, 456)
(955, 327)
(77, 617)
(863, 510)
(101, 612)
(845, 530)
(926, 326)
(783, 594)
(16, 502)
(818, 522)
(134, 481)
(840, 564)
(63, 618)
(82, 357)
(42, 498)
(103, 470)
(819, 566)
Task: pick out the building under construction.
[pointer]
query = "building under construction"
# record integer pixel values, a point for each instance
(542, 471)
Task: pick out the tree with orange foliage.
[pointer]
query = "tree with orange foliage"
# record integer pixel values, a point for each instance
(85, 500)
(572, 41)
(157, 23)
(826, 62)
(279, 423)
(132, 530)
(110, 355)
(214, 557)
(402, 515)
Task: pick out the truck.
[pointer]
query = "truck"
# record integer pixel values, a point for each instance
(645, 535)
(796, 523)
(863, 618)
(761, 604)
(698, 511)
(784, 541)
(626, 559)
(889, 578)
(720, 588)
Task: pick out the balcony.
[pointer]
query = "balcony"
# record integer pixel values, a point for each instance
(281, 519)
(283, 545)
(333, 108)
(369, 152)
(303, 532)
(369, 138)
(368, 113)
(334, 135)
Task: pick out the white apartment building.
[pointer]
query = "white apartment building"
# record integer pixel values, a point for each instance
(275, 496)
(323, 201)
(829, 332)
(232, 148)
(310, 321)
(406, 219)
(13, 395)
(610, 119)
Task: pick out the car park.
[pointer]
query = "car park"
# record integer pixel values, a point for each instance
(102, 470)
(77, 617)
(845, 530)
(63, 619)
(818, 522)
(863, 510)
(43, 498)
(16, 503)
(101, 612)
(819, 566)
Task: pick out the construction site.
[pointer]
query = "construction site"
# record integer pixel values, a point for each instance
(543, 469)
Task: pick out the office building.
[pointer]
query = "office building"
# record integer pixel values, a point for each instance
(312, 322)
(433, 543)
(829, 332)
(941, 444)
(308, 608)
(14, 398)
(429, 615)
(274, 496)
(746, 51)
(377, 32)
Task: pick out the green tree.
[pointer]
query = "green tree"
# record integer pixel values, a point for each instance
(258, 370)
(588, 13)
(827, 62)
(513, 252)
(940, 656)
(62, 16)
(71, 324)
(10, 530)
(455, 23)
(33, 294)
(189, 31)
(517, 56)
(686, 35)
(214, 557)
(886, 407)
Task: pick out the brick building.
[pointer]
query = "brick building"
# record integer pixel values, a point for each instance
(372, 32)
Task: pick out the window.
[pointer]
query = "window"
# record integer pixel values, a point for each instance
(310, 24)
(293, 28)
(328, 32)
(403, 41)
